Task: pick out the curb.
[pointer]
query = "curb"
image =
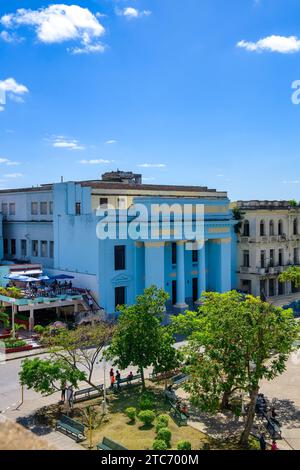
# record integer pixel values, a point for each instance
(24, 357)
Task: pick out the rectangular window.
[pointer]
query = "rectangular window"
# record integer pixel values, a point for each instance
(122, 203)
(103, 202)
(51, 249)
(262, 259)
(43, 208)
(35, 248)
(195, 289)
(51, 207)
(272, 258)
(119, 296)
(5, 246)
(34, 208)
(78, 208)
(120, 257)
(271, 287)
(174, 253)
(280, 258)
(44, 247)
(4, 208)
(13, 247)
(23, 247)
(12, 208)
(246, 259)
(195, 256)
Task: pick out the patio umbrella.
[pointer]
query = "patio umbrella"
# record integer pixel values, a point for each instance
(59, 277)
(15, 277)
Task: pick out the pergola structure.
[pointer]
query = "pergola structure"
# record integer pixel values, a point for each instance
(39, 303)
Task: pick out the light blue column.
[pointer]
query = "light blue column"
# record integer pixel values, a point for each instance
(180, 276)
(225, 254)
(201, 270)
(155, 264)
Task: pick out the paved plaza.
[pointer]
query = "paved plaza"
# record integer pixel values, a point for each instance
(285, 389)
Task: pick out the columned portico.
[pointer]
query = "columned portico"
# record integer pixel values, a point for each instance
(155, 264)
(180, 275)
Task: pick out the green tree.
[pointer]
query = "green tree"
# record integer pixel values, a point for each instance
(292, 274)
(76, 351)
(234, 343)
(47, 376)
(137, 338)
(4, 319)
(168, 358)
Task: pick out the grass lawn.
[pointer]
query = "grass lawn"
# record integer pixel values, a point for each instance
(136, 436)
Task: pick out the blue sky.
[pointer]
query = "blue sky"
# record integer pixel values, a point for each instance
(195, 92)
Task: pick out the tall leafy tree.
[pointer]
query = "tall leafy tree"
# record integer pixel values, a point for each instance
(138, 335)
(73, 355)
(292, 274)
(234, 343)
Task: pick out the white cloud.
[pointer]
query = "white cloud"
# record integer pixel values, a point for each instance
(94, 162)
(281, 44)
(10, 85)
(133, 13)
(13, 175)
(65, 143)
(5, 161)
(291, 182)
(13, 90)
(11, 38)
(60, 23)
(152, 165)
(112, 141)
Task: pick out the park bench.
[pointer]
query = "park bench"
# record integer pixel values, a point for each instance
(128, 381)
(108, 444)
(88, 393)
(179, 379)
(177, 415)
(170, 397)
(71, 427)
(273, 428)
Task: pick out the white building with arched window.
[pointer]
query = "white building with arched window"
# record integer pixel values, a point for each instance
(268, 243)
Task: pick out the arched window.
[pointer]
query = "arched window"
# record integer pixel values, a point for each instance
(262, 231)
(271, 228)
(280, 227)
(295, 227)
(246, 231)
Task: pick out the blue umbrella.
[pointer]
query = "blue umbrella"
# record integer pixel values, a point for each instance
(61, 276)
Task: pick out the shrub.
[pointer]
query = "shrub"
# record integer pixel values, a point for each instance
(164, 434)
(39, 329)
(11, 343)
(163, 419)
(159, 425)
(131, 413)
(159, 445)
(146, 402)
(147, 417)
(184, 445)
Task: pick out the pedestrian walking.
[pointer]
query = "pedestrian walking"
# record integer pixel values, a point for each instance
(262, 442)
(112, 381)
(118, 378)
(70, 396)
(63, 392)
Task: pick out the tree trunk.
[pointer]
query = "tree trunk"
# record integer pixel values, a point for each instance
(142, 377)
(225, 400)
(250, 418)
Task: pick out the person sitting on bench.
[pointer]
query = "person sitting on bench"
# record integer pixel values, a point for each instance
(130, 377)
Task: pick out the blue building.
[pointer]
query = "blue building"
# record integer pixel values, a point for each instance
(58, 226)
